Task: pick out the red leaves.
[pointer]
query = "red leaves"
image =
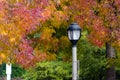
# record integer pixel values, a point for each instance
(117, 2)
(27, 56)
(30, 18)
(25, 53)
(27, 19)
(25, 47)
(96, 41)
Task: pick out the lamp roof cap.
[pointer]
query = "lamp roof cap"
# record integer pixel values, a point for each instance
(74, 26)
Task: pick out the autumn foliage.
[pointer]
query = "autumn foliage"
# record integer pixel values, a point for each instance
(25, 31)
(101, 18)
(17, 20)
(31, 30)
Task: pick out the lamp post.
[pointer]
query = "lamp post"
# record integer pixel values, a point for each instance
(74, 33)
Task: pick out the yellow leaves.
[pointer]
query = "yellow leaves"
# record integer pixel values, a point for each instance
(48, 43)
(64, 42)
(54, 45)
(46, 33)
(13, 1)
(57, 2)
(86, 19)
(3, 33)
(10, 35)
(3, 57)
(12, 40)
(110, 62)
(116, 44)
(51, 56)
(1, 15)
(118, 17)
(10, 31)
(0, 61)
(59, 15)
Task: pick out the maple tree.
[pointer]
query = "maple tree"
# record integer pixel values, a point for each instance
(27, 29)
(17, 20)
(101, 18)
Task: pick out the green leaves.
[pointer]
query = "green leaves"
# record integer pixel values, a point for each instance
(54, 70)
(92, 60)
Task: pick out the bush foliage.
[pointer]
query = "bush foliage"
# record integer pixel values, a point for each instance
(54, 70)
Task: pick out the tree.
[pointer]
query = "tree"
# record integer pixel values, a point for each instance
(47, 38)
(27, 29)
(17, 20)
(101, 18)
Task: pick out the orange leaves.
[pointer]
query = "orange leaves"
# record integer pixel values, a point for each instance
(99, 33)
(47, 12)
(58, 16)
(39, 56)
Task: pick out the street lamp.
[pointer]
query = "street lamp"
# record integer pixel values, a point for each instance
(74, 34)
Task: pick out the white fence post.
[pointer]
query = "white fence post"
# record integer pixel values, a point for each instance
(8, 71)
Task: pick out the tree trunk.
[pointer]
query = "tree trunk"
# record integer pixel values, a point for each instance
(110, 72)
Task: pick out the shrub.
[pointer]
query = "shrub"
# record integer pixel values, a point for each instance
(54, 70)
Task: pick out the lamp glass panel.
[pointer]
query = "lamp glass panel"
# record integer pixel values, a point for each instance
(70, 33)
(74, 35)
